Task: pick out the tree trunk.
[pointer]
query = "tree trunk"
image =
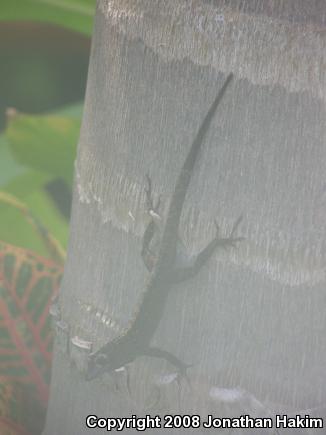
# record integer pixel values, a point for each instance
(252, 322)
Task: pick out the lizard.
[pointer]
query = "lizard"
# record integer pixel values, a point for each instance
(164, 274)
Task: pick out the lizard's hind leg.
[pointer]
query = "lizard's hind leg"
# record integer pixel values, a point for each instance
(186, 273)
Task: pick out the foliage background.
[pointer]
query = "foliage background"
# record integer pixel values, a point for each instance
(44, 57)
(44, 51)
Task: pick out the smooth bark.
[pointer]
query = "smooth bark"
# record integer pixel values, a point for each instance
(253, 322)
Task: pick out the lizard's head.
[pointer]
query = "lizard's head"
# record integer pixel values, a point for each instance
(98, 364)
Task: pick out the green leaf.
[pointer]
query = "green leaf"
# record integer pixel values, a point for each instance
(45, 143)
(25, 184)
(15, 229)
(72, 14)
(9, 168)
(71, 111)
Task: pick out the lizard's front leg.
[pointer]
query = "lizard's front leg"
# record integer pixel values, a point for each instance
(186, 273)
(169, 357)
(147, 255)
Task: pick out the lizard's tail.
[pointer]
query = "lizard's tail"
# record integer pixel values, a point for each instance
(186, 171)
